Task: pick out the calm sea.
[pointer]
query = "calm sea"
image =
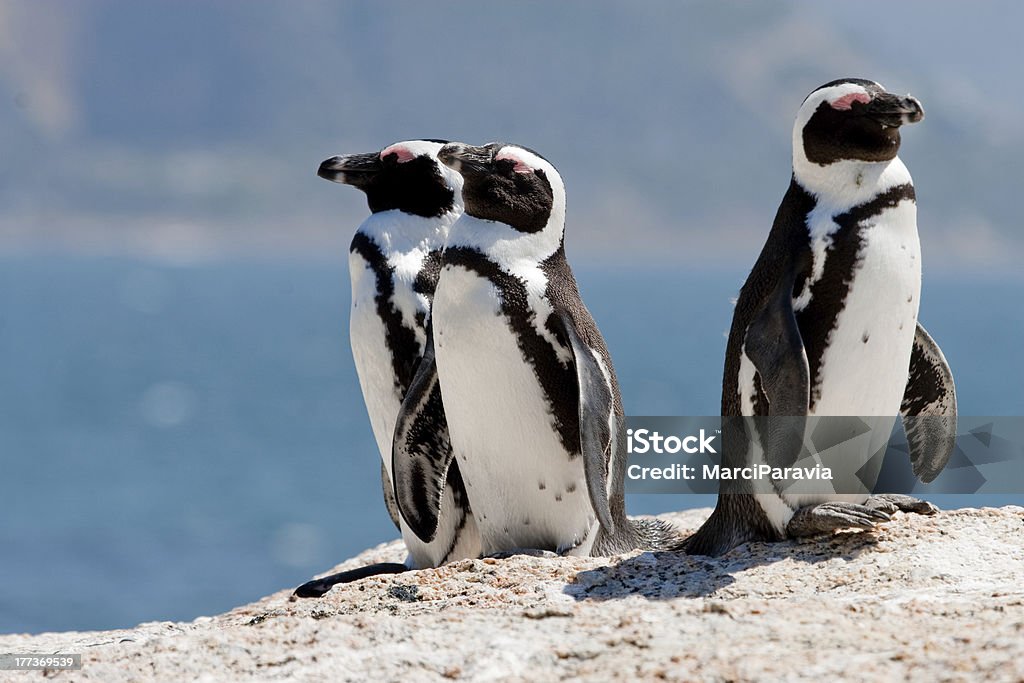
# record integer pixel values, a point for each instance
(175, 441)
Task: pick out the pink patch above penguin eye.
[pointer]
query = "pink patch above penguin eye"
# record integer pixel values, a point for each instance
(399, 151)
(846, 101)
(520, 166)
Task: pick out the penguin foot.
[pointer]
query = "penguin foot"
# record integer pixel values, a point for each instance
(530, 552)
(318, 587)
(828, 517)
(897, 502)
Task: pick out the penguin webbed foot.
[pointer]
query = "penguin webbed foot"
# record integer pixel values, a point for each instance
(897, 502)
(826, 518)
(318, 587)
(529, 552)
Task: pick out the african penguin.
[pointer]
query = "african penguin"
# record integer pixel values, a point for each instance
(393, 264)
(531, 398)
(826, 323)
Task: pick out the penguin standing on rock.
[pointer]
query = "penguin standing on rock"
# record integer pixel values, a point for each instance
(530, 395)
(826, 323)
(393, 264)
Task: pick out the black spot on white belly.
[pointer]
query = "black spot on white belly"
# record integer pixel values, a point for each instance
(541, 486)
(571, 488)
(864, 337)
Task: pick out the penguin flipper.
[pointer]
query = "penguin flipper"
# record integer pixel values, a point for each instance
(929, 408)
(389, 497)
(422, 451)
(774, 345)
(599, 428)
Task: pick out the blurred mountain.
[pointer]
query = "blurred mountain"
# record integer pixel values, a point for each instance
(184, 128)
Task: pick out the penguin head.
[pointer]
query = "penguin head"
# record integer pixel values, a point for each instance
(853, 120)
(405, 176)
(508, 184)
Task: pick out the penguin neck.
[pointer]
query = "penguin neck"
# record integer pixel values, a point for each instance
(506, 246)
(842, 185)
(397, 232)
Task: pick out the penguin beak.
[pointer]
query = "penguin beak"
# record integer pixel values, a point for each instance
(351, 169)
(893, 111)
(465, 158)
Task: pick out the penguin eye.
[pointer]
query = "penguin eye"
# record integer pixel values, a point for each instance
(517, 165)
(505, 166)
(398, 153)
(845, 103)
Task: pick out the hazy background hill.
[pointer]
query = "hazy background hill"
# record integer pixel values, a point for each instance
(181, 128)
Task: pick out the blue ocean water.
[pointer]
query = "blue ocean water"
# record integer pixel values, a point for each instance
(178, 440)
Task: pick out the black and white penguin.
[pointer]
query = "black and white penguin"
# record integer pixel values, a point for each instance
(394, 261)
(826, 323)
(531, 398)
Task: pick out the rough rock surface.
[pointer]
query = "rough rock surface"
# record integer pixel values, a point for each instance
(922, 598)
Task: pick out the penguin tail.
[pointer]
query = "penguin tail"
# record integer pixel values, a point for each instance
(638, 533)
(656, 534)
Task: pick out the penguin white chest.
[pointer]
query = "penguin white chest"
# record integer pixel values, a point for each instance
(867, 355)
(525, 489)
